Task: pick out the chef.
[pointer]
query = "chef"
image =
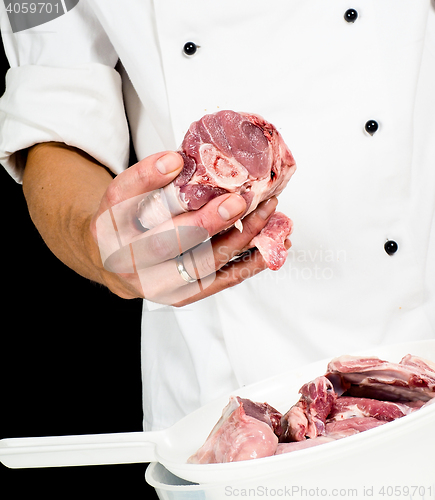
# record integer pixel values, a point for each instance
(349, 87)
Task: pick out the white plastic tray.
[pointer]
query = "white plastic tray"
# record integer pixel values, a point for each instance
(400, 452)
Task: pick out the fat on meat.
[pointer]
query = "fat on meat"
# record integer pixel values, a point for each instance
(339, 429)
(413, 379)
(418, 362)
(244, 432)
(301, 445)
(347, 407)
(229, 152)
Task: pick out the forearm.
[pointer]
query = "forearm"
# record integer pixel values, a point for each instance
(63, 188)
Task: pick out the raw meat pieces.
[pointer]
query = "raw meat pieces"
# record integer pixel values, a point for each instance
(234, 152)
(263, 412)
(368, 392)
(424, 364)
(301, 445)
(342, 428)
(413, 379)
(228, 152)
(349, 407)
(245, 431)
(270, 240)
(326, 411)
(307, 418)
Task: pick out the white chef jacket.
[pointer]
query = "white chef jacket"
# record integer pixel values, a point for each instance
(319, 79)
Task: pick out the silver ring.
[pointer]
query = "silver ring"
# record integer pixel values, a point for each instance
(182, 270)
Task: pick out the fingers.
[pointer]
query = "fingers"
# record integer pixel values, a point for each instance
(226, 246)
(228, 276)
(114, 225)
(163, 283)
(172, 237)
(189, 230)
(214, 217)
(149, 174)
(232, 274)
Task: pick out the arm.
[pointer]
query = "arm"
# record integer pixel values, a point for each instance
(63, 187)
(67, 191)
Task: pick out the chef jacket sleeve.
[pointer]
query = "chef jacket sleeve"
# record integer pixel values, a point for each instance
(62, 86)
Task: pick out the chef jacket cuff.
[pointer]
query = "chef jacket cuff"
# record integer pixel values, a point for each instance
(80, 106)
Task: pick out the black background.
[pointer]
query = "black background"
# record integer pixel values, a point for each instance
(70, 359)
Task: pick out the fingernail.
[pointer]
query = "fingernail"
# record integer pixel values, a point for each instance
(231, 207)
(168, 163)
(265, 209)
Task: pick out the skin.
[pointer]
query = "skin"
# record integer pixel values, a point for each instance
(69, 193)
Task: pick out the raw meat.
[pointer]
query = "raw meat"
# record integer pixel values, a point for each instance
(301, 445)
(334, 430)
(424, 364)
(245, 431)
(263, 412)
(270, 240)
(343, 428)
(348, 407)
(412, 379)
(228, 152)
(324, 412)
(307, 418)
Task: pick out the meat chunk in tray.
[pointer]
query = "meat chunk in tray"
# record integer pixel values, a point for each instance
(356, 394)
(307, 418)
(246, 430)
(413, 379)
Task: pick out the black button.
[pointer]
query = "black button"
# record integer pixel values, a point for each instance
(371, 126)
(190, 48)
(351, 15)
(391, 247)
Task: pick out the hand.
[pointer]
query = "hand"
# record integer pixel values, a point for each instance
(147, 264)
